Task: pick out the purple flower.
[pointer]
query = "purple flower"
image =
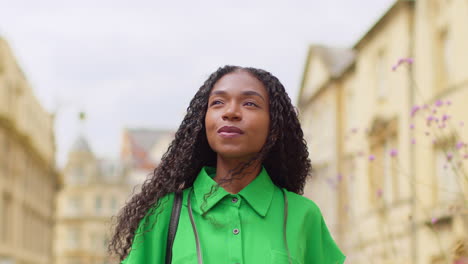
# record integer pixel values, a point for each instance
(434, 220)
(449, 156)
(460, 145)
(339, 177)
(413, 141)
(414, 110)
(412, 126)
(429, 120)
(393, 153)
(439, 103)
(401, 61)
(445, 117)
(331, 183)
(379, 192)
(448, 102)
(371, 158)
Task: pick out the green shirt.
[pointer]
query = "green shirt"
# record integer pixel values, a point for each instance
(237, 228)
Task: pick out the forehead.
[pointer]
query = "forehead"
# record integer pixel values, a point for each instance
(238, 82)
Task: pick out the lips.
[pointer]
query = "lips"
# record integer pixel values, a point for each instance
(230, 130)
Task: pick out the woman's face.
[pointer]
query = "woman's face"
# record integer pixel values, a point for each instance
(238, 119)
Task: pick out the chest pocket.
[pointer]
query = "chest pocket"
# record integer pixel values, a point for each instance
(280, 257)
(186, 259)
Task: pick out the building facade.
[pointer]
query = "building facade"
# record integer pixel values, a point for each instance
(94, 191)
(28, 178)
(392, 122)
(142, 150)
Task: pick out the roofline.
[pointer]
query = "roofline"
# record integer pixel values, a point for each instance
(304, 74)
(394, 8)
(344, 72)
(396, 5)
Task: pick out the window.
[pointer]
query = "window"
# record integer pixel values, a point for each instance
(95, 241)
(444, 60)
(350, 177)
(114, 205)
(3, 154)
(383, 170)
(98, 204)
(105, 242)
(2, 63)
(351, 108)
(383, 178)
(389, 171)
(381, 69)
(77, 175)
(73, 238)
(74, 205)
(448, 187)
(74, 261)
(6, 161)
(6, 219)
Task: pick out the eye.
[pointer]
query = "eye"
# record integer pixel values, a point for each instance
(251, 104)
(216, 102)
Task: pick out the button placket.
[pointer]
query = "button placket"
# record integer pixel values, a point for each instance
(236, 234)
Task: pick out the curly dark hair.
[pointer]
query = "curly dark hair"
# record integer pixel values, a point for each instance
(284, 155)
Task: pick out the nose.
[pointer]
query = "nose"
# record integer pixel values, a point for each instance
(232, 113)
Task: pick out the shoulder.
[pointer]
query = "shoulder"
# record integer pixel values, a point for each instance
(299, 203)
(160, 212)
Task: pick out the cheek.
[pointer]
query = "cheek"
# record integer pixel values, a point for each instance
(210, 124)
(263, 128)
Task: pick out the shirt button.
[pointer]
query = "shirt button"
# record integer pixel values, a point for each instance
(235, 231)
(234, 199)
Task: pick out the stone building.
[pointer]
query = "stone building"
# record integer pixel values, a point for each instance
(29, 180)
(94, 191)
(385, 127)
(142, 150)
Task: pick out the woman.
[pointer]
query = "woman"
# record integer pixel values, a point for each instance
(240, 161)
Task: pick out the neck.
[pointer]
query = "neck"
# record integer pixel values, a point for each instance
(224, 166)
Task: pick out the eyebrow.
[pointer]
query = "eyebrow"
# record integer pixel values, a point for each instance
(248, 93)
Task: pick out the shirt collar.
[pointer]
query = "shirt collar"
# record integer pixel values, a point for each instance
(258, 193)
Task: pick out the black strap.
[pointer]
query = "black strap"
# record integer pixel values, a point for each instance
(173, 225)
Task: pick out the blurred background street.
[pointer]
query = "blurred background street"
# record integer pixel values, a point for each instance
(91, 94)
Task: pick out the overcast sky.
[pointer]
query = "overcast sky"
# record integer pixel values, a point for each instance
(138, 63)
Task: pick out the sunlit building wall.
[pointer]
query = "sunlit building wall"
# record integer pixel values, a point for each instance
(28, 178)
(94, 191)
(142, 150)
(393, 188)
